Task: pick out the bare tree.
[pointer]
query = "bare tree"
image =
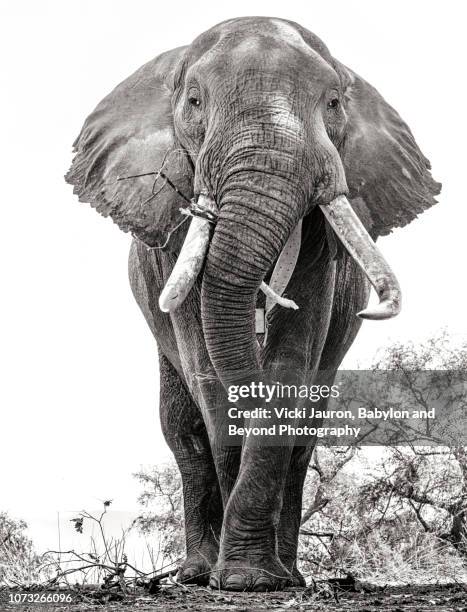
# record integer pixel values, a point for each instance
(429, 480)
(162, 499)
(19, 563)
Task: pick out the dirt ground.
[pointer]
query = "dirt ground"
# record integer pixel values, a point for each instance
(326, 598)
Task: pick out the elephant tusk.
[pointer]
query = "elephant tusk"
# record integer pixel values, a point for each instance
(364, 251)
(190, 261)
(270, 293)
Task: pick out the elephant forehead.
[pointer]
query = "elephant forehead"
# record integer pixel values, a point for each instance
(278, 41)
(275, 48)
(253, 33)
(289, 34)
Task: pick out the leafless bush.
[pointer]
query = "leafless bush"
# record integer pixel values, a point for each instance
(398, 514)
(104, 563)
(19, 563)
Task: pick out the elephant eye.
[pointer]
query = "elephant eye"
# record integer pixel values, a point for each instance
(194, 101)
(333, 103)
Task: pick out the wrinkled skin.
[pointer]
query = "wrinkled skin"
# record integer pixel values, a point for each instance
(268, 124)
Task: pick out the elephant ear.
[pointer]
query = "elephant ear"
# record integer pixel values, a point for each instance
(389, 178)
(131, 133)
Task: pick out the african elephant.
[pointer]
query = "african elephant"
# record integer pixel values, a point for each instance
(259, 134)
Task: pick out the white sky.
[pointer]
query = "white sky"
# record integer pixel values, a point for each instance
(78, 365)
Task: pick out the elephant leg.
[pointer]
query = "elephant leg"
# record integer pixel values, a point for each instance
(350, 296)
(248, 556)
(291, 514)
(227, 462)
(186, 435)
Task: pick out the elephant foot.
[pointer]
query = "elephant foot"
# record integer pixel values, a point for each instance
(266, 575)
(197, 567)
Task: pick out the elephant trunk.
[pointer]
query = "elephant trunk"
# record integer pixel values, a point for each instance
(257, 215)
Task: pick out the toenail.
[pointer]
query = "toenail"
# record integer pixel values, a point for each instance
(261, 584)
(235, 581)
(214, 582)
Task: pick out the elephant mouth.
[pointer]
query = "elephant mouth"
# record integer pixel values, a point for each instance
(343, 220)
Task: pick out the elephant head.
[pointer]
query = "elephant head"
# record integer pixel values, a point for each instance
(262, 126)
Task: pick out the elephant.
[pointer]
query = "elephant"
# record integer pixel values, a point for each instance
(250, 149)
